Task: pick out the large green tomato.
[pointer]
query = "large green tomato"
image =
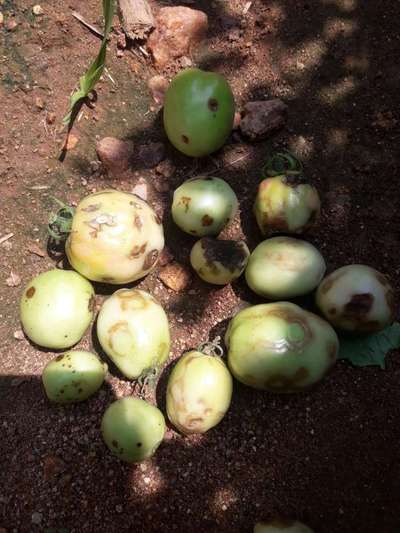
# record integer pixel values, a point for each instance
(357, 298)
(199, 392)
(133, 330)
(116, 237)
(198, 112)
(73, 376)
(280, 347)
(204, 205)
(133, 429)
(283, 268)
(57, 308)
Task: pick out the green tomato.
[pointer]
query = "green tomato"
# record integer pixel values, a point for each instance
(357, 298)
(283, 267)
(133, 429)
(116, 237)
(280, 347)
(132, 328)
(73, 376)
(198, 112)
(204, 205)
(56, 308)
(286, 204)
(219, 262)
(199, 392)
(282, 526)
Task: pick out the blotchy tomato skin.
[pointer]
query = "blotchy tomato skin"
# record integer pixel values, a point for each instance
(199, 110)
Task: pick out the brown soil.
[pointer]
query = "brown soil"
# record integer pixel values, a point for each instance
(328, 457)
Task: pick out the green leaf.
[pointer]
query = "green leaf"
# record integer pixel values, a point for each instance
(372, 349)
(88, 81)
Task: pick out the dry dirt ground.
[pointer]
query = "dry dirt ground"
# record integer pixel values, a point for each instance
(328, 457)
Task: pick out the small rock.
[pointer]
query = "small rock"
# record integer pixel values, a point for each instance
(94, 166)
(37, 518)
(158, 86)
(166, 168)
(120, 52)
(13, 280)
(178, 29)
(19, 336)
(71, 142)
(52, 467)
(39, 103)
(236, 120)
(11, 25)
(50, 118)
(140, 189)
(185, 62)
(151, 154)
(147, 480)
(175, 277)
(1, 22)
(37, 10)
(114, 154)
(165, 257)
(119, 509)
(263, 117)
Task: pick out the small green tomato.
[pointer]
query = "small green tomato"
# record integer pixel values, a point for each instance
(116, 237)
(199, 392)
(282, 526)
(204, 205)
(132, 328)
(198, 112)
(284, 267)
(357, 298)
(280, 347)
(56, 308)
(73, 376)
(219, 262)
(133, 429)
(286, 204)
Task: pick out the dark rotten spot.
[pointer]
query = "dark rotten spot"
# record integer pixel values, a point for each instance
(231, 254)
(207, 220)
(59, 358)
(138, 250)
(107, 279)
(30, 292)
(151, 259)
(91, 208)
(213, 104)
(139, 444)
(185, 139)
(293, 180)
(359, 305)
(185, 200)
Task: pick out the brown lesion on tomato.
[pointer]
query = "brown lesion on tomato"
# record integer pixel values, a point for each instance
(137, 222)
(326, 285)
(115, 328)
(281, 383)
(91, 208)
(126, 296)
(185, 139)
(91, 303)
(59, 358)
(138, 250)
(294, 179)
(213, 105)
(185, 200)
(107, 279)
(359, 306)
(150, 259)
(207, 220)
(232, 255)
(134, 204)
(30, 292)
